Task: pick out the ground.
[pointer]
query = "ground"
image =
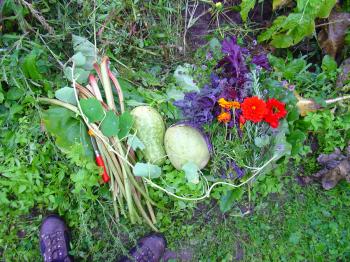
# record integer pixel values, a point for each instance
(291, 223)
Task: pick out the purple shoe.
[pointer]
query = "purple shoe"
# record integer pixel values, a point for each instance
(149, 249)
(54, 240)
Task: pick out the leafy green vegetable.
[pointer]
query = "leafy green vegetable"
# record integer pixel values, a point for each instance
(110, 124)
(125, 124)
(92, 109)
(67, 129)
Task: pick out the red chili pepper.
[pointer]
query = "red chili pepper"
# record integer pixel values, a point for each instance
(99, 162)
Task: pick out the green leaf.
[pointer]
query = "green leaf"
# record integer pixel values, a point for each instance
(125, 122)
(288, 31)
(215, 47)
(175, 93)
(67, 129)
(293, 114)
(66, 94)
(262, 141)
(22, 188)
(294, 29)
(282, 41)
(246, 6)
(135, 143)
(315, 8)
(329, 64)
(184, 80)
(92, 109)
(30, 68)
(79, 59)
(296, 138)
(83, 58)
(86, 48)
(15, 93)
(191, 172)
(325, 8)
(293, 68)
(110, 124)
(80, 75)
(146, 170)
(276, 25)
(227, 200)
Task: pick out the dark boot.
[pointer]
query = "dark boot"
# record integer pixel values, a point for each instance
(54, 240)
(148, 249)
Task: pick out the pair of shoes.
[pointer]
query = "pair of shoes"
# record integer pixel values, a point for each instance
(54, 244)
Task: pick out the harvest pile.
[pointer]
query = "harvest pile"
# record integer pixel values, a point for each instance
(240, 109)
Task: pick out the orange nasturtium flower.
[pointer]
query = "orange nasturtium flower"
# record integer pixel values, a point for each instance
(223, 103)
(224, 117)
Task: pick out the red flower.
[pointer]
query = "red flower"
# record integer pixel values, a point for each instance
(276, 108)
(271, 120)
(275, 111)
(254, 109)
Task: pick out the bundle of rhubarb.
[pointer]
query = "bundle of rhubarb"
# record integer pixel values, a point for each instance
(110, 128)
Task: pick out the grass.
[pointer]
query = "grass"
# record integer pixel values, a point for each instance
(144, 42)
(301, 224)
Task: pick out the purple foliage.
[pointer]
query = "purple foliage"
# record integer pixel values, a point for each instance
(197, 107)
(232, 165)
(262, 61)
(239, 171)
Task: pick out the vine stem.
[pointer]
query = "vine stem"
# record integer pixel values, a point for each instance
(207, 194)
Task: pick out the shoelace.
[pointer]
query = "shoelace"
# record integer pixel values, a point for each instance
(55, 248)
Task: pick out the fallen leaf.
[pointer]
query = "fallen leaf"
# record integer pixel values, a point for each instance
(336, 167)
(331, 37)
(343, 77)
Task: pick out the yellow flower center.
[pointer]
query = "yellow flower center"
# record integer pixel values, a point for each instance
(253, 107)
